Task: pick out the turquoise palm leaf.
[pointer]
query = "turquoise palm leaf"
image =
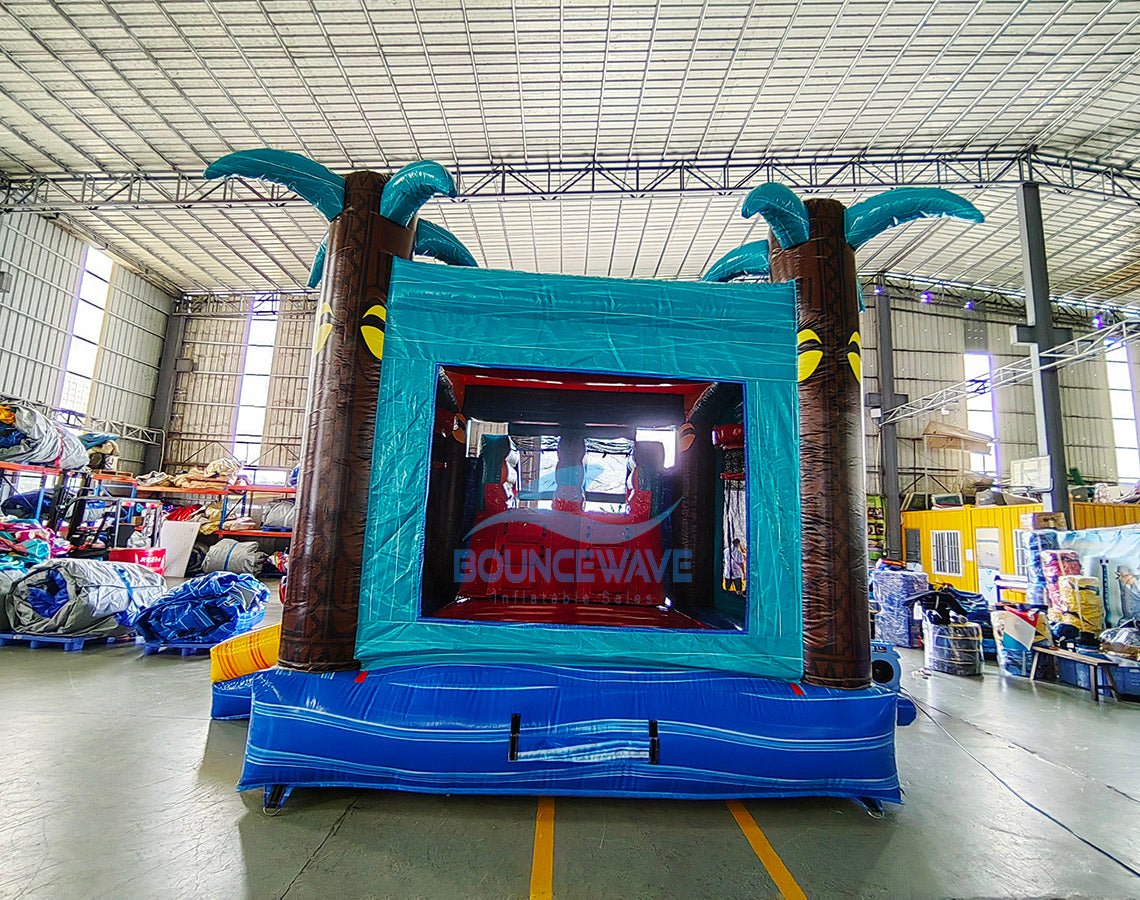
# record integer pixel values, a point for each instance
(412, 187)
(872, 217)
(748, 259)
(431, 240)
(784, 212)
(310, 180)
(441, 244)
(318, 267)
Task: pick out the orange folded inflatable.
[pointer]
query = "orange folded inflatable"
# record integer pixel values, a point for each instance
(245, 653)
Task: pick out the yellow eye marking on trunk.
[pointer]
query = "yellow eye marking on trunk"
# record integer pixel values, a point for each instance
(807, 363)
(808, 357)
(324, 328)
(373, 331)
(853, 357)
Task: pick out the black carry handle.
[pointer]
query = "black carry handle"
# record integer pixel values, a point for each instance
(513, 752)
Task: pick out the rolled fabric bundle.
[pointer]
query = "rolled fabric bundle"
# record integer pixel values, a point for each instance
(1079, 603)
(228, 555)
(1040, 541)
(82, 597)
(1122, 641)
(1055, 563)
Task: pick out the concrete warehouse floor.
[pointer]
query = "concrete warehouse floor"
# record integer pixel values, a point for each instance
(116, 784)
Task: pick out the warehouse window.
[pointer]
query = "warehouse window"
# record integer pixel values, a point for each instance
(249, 428)
(86, 330)
(946, 552)
(912, 541)
(980, 415)
(1021, 552)
(1123, 407)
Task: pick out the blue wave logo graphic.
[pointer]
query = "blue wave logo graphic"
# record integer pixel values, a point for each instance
(546, 484)
(575, 527)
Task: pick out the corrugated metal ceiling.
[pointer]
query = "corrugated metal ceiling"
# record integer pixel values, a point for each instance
(137, 85)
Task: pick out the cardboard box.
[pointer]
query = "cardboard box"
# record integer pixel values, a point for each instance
(1044, 521)
(154, 558)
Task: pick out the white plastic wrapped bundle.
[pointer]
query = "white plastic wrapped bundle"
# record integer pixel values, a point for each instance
(280, 514)
(955, 649)
(81, 596)
(44, 442)
(228, 555)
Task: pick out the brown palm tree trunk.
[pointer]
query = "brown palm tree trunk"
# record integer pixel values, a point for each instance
(323, 590)
(837, 651)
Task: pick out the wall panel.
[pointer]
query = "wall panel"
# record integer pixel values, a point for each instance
(126, 373)
(42, 262)
(206, 391)
(929, 343)
(206, 397)
(44, 265)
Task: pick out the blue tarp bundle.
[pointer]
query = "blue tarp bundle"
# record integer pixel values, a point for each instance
(1039, 541)
(206, 610)
(894, 621)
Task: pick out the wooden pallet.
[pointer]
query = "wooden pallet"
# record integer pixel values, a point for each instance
(71, 643)
(182, 648)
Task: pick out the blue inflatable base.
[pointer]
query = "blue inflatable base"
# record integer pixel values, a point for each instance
(557, 730)
(233, 699)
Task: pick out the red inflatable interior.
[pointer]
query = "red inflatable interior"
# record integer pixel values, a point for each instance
(546, 551)
(555, 560)
(592, 614)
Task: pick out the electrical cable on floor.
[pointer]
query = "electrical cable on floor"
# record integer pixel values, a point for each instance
(1014, 791)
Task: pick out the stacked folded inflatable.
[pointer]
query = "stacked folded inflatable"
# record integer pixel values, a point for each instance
(894, 618)
(205, 610)
(29, 437)
(79, 597)
(235, 665)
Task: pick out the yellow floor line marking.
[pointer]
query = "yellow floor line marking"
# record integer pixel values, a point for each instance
(777, 871)
(542, 865)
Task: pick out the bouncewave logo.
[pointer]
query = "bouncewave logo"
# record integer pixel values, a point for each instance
(596, 559)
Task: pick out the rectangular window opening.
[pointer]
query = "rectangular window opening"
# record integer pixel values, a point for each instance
(1021, 552)
(1122, 404)
(587, 500)
(981, 415)
(253, 395)
(82, 354)
(946, 552)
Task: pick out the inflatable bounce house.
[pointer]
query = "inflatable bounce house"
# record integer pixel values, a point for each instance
(570, 535)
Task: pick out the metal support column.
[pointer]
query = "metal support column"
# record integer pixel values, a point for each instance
(887, 400)
(1040, 336)
(164, 390)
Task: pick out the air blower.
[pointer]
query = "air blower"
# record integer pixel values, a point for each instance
(886, 671)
